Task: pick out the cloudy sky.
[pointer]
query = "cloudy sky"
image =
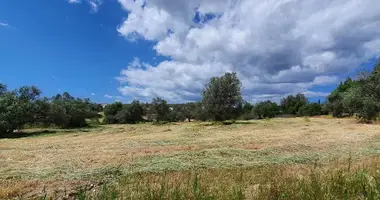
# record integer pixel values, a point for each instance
(138, 49)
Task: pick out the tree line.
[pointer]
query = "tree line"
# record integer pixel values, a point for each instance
(360, 97)
(221, 100)
(26, 106)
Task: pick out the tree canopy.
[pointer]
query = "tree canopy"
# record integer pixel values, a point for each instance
(222, 96)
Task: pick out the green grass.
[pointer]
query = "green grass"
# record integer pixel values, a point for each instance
(255, 183)
(218, 158)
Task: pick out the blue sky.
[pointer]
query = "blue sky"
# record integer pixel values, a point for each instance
(62, 47)
(125, 49)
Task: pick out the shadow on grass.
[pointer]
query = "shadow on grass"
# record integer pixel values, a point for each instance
(226, 123)
(245, 122)
(22, 134)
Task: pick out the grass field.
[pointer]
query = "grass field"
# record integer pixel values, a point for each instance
(59, 163)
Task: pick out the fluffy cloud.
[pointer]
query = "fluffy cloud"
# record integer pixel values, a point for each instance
(277, 47)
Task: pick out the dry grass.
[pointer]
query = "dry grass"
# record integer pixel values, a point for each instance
(78, 156)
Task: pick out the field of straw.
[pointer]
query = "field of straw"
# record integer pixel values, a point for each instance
(59, 163)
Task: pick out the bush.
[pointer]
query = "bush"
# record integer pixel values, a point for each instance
(159, 110)
(110, 112)
(68, 112)
(311, 109)
(292, 104)
(117, 113)
(266, 109)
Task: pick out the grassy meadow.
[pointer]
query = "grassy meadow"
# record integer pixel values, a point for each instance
(282, 158)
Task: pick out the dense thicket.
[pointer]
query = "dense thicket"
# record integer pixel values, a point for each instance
(26, 106)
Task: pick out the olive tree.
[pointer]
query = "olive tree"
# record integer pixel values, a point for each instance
(222, 96)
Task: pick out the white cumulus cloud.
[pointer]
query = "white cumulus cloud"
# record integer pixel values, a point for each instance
(277, 47)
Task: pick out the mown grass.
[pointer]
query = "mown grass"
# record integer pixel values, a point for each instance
(59, 161)
(279, 182)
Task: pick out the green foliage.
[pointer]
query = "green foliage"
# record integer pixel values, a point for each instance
(360, 97)
(110, 111)
(190, 110)
(292, 104)
(130, 114)
(352, 101)
(177, 113)
(266, 109)
(117, 113)
(370, 109)
(24, 106)
(69, 112)
(311, 109)
(266, 183)
(222, 97)
(18, 107)
(159, 110)
(335, 101)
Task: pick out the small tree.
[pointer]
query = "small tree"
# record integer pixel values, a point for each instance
(291, 104)
(68, 112)
(137, 111)
(18, 107)
(222, 96)
(370, 109)
(266, 109)
(189, 110)
(311, 109)
(130, 114)
(110, 111)
(177, 113)
(335, 104)
(159, 109)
